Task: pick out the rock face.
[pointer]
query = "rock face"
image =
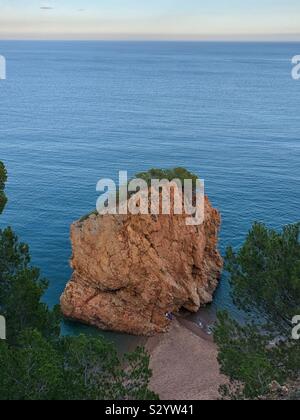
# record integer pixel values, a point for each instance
(129, 271)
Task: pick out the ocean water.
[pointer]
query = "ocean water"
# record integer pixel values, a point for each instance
(74, 112)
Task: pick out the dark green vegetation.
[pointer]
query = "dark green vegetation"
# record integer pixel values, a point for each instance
(36, 363)
(85, 217)
(265, 278)
(181, 174)
(169, 174)
(3, 179)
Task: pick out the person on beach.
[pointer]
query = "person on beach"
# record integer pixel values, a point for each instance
(169, 316)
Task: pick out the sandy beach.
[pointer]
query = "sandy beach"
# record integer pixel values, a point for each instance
(184, 364)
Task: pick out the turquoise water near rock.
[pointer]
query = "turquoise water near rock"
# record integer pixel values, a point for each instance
(74, 112)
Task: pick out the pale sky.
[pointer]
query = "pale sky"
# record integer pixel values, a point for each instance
(150, 19)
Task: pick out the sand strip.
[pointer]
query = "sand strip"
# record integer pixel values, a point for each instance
(184, 364)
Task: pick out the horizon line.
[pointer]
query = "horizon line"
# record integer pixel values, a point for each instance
(290, 37)
(231, 41)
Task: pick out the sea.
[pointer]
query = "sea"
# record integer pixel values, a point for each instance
(72, 113)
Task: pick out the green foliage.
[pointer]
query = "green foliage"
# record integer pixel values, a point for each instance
(265, 279)
(265, 275)
(91, 367)
(30, 371)
(158, 174)
(137, 376)
(169, 174)
(21, 290)
(37, 363)
(3, 179)
(94, 371)
(72, 368)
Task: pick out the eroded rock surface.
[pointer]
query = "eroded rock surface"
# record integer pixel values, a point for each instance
(129, 271)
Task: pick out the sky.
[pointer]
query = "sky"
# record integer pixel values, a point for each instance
(150, 19)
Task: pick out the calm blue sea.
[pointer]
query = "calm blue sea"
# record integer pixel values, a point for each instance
(74, 112)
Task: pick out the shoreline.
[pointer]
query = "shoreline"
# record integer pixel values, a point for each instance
(184, 363)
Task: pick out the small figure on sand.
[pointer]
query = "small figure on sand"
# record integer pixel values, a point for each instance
(169, 316)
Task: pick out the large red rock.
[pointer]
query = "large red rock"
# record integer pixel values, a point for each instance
(129, 271)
